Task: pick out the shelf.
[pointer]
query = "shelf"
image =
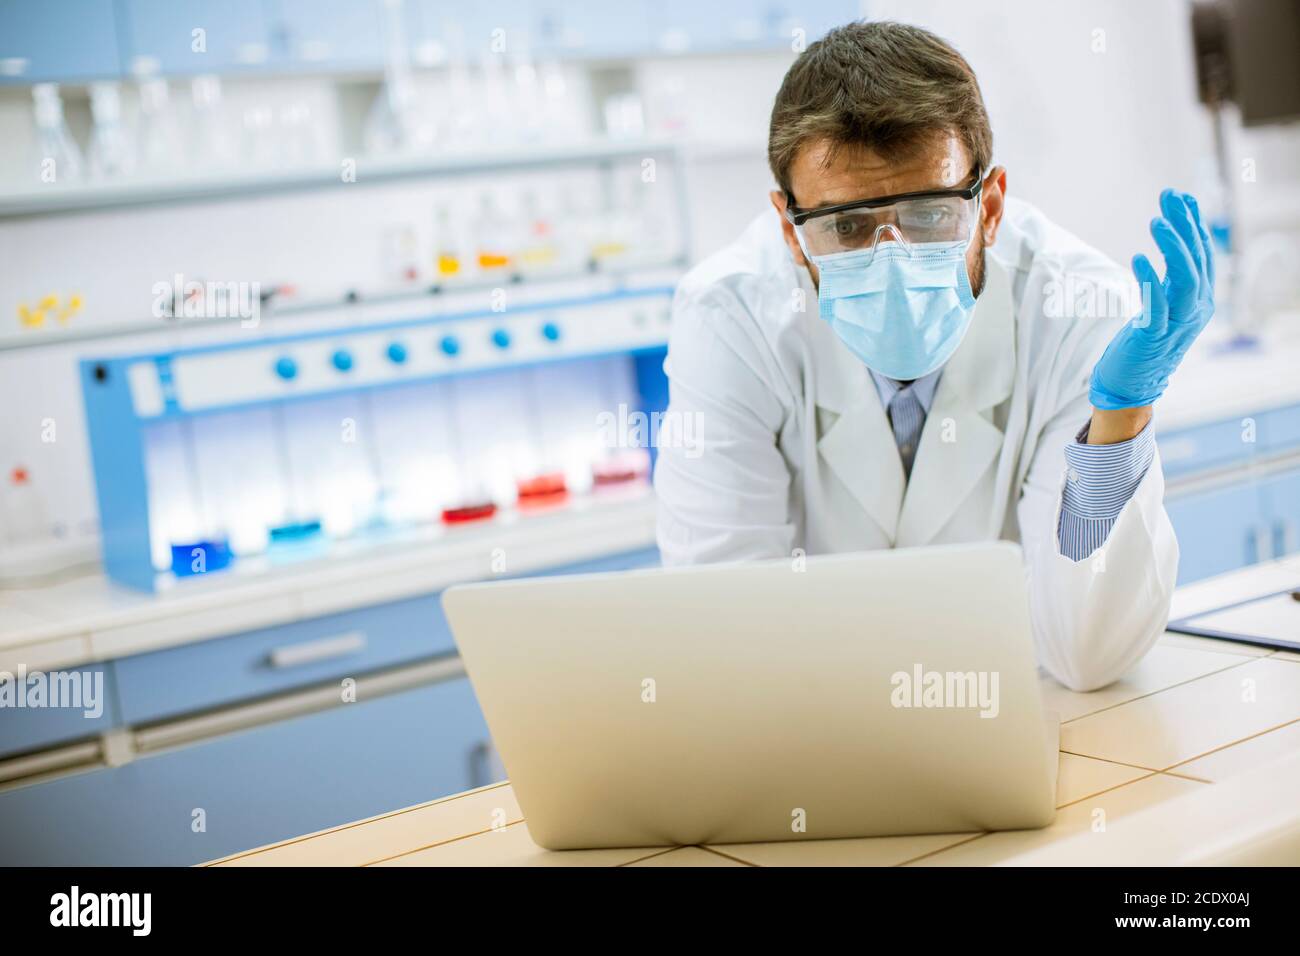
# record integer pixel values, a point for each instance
(57, 200)
(419, 298)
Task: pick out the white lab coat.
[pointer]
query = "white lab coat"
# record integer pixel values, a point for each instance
(791, 449)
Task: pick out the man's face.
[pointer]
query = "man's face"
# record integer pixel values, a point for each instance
(822, 175)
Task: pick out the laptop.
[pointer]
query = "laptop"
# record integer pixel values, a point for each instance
(853, 695)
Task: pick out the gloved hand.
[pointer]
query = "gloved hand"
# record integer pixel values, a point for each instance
(1135, 368)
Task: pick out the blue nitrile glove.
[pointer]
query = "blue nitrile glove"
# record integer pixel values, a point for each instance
(1135, 368)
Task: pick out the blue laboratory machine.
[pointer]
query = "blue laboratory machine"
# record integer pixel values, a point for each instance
(388, 414)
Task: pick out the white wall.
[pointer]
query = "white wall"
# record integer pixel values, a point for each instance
(1093, 107)
(1089, 137)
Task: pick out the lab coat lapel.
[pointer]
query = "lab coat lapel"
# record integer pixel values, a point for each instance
(959, 442)
(857, 442)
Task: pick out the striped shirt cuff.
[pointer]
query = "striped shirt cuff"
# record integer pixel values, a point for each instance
(1099, 481)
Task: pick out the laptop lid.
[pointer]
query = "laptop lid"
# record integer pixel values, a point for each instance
(867, 694)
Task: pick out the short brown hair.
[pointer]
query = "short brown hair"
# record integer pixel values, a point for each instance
(885, 86)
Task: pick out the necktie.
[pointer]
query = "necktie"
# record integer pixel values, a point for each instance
(907, 418)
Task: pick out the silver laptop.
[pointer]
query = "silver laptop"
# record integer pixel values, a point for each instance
(841, 696)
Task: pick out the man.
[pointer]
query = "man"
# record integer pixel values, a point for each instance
(899, 355)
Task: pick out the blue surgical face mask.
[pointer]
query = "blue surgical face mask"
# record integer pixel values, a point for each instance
(902, 314)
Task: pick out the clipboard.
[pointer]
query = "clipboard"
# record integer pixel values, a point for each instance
(1271, 620)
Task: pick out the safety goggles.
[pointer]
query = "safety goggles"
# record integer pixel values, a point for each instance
(939, 215)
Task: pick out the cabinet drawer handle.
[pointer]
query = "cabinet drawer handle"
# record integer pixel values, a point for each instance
(1262, 545)
(1283, 538)
(484, 765)
(1256, 545)
(313, 652)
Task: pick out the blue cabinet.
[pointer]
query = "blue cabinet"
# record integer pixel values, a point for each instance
(184, 37)
(271, 660)
(257, 664)
(1214, 445)
(469, 30)
(328, 34)
(1279, 428)
(1247, 510)
(627, 561)
(690, 26)
(87, 707)
(1281, 494)
(817, 19)
(58, 40)
(318, 35)
(80, 40)
(579, 28)
(253, 787)
(685, 26)
(1217, 530)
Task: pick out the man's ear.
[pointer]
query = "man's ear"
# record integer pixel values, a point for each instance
(787, 228)
(993, 197)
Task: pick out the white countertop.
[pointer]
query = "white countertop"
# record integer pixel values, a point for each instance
(1181, 767)
(88, 618)
(1214, 383)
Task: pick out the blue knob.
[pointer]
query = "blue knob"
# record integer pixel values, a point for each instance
(551, 332)
(286, 368)
(342, 360)
(450, 345)
(397, 353)
(501, 339)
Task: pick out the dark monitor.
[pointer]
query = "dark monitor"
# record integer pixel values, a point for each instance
(1248, 52)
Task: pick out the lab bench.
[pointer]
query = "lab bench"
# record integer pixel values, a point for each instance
(231, 686)
(1173, 764)
(241, 708)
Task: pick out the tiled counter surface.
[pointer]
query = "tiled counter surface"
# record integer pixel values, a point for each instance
(1193, 714)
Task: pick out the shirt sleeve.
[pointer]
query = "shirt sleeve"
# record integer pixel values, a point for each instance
(1099, 481)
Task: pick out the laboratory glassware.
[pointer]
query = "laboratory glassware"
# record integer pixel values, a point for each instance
(493, 239)
(212, 145)
(112, 152)
(393, 124)
(159, 139)
(448, 260)
(58, 160)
